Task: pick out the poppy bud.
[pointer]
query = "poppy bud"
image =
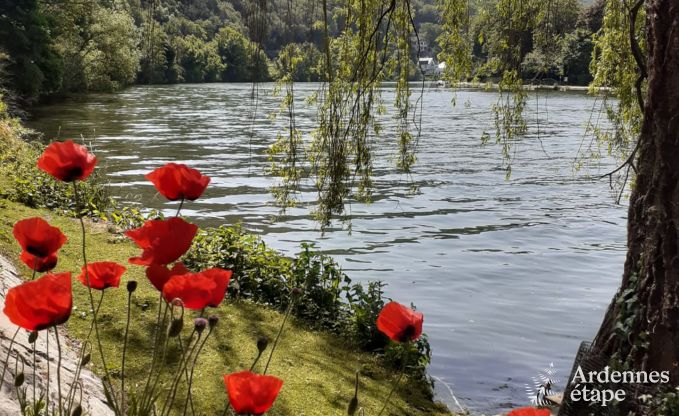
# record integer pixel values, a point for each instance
(19, 380)
(212, 320)
(296, 292)
(131, 286)
(262, 343)
(175, 327)
(85, 360)
(200, 324)
(32, 337)
(77, 411)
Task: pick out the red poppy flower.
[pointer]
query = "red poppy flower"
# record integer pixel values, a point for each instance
(159, 274)
(102, 274)
(67, 161)
(198, 290)
(37, 237)
(399, 322)
(162, 241)
(251, 393)
(40, 304)
(176, 181)
(221, 277)
(39, 264)
(529, 411)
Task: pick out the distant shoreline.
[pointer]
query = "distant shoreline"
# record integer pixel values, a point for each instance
(490, 86)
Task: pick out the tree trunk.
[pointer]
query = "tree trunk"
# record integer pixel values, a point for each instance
(641, 328)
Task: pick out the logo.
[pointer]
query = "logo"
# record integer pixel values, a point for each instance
(609, 386)
(545, 390)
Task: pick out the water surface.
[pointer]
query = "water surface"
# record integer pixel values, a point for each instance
(510, 274)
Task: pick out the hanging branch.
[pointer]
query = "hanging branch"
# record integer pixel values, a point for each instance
(642, 75)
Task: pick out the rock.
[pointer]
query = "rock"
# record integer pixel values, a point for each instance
(93, 399)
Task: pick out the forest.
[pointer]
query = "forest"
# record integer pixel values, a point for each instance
(49, 48)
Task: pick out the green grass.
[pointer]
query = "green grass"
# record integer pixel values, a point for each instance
(317, 368)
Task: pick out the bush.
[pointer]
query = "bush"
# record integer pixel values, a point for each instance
(329, 300)
(23, 182)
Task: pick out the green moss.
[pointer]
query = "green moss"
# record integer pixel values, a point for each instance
(318, 368)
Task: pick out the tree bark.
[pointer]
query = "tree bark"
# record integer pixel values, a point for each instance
(641, 327)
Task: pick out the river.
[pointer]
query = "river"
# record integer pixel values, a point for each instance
(510, 274)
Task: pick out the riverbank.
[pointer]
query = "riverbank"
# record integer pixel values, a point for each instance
(318, 367)
(493, 86)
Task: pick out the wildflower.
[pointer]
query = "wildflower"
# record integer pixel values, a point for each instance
(67, 161)
(399, 322)
(529, 411)
(177, 181)
(37, 238)
(102, 275)
(162, 241)
(251, 393)
(39, 264)
(159, 274)
(131, 286)
(40, 304)
(198, 290)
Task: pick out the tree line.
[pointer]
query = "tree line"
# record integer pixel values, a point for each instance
(54, 47)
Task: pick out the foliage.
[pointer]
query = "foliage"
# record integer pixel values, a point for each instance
(110, 57)
(329, 299)
(614, 68)
(26, 184)
(303, 61)
(242, 59)
(199, 60)
(34, 66)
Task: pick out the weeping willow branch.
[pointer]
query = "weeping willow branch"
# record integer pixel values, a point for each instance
(372, 45)
(625, 104)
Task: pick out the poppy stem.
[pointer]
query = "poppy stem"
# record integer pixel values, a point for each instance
(35, 265)
(109, 387)
(182, 365)
(181, 204)
(9, 350)
(398, 380)
(122, 370)
(96, 313)
(56, 334)
(70, 397)
(278, 335)
(156, 341)
(35, 386)
(186, 372)
(152, 397)
(254, 363)
(47, 353)
(193, 367)
(227, 408)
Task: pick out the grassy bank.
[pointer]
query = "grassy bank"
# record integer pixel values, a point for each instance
(318, 367)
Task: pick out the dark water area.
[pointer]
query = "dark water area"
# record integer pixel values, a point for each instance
(510, 274)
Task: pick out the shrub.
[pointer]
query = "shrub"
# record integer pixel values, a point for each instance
(25, 183)
(329, 299)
